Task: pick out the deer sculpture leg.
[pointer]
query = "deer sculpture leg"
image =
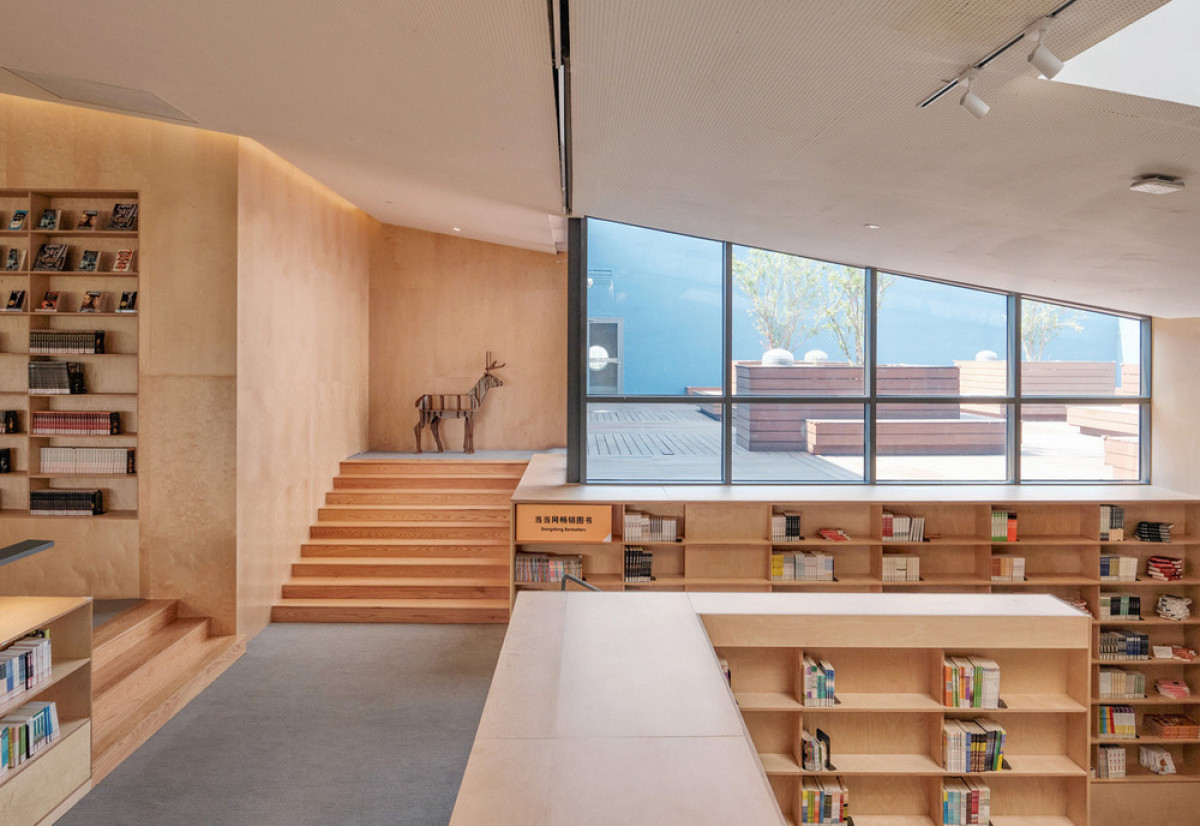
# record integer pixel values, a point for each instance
(469, 433)
(417, 430)
(435, 425)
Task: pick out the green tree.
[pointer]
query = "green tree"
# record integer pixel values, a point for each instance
(1041, 324)
(784, 293)
(843, 309)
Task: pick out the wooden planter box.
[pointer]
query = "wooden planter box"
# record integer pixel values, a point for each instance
(912, 437)
(1121, 454)
(782, 427)
(1059, 378)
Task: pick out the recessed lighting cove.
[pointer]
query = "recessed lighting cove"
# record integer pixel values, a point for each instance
(1156, 184)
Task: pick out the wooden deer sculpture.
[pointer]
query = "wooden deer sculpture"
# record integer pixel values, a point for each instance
(433, 408)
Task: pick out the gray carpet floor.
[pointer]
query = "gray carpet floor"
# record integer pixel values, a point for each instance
(315, 724)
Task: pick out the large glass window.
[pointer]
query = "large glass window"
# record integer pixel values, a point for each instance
(703, 361)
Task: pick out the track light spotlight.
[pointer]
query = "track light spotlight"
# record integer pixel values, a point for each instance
(1042, 58)
(971, 101)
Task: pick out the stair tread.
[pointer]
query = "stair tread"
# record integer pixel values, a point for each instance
(109, 676)
(447, 490)
(111, 631)
(404, 561)
(404, 541)
(436, 602)
(444, 474)
(396, 580)
(434, 507)
(413, 523)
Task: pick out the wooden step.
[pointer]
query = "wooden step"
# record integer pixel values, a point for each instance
(130, 681)
(413, 513)
(439, 481)
(412, 530)
(129, 629)
(495, 497)
(391, 610)
(207, 661)
(368, 566)
(395, 588)
(421, 466)
(496, 548)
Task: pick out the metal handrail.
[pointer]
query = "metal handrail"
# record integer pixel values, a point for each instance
(577, 581)
(22, 549)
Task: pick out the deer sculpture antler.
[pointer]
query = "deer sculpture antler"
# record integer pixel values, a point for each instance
(489, 365)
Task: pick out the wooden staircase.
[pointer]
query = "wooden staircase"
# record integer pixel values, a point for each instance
(408, 540)
(147, 664)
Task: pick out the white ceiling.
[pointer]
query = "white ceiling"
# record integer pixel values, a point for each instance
(784, 123)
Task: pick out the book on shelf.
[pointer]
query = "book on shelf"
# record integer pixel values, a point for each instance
(26, 732)
(900, 528)
(49, 302)
(9, 422)
(1117, 568)
(819, 682)
(14, 260)
(19, 218)
(1173, 607)
(801, 566)
(785, 526)
(973, 745)
(1175, 689)
(117, 460)
(726, 670)
(1172, 725)
(89, 219)
(124, 218)
(128, 302)
(971, 682)
(50, 219)
(1007, 568)
(534, 567)
(1120, 606)
(1119, 684)
(816, 751)
(1004, 526)
(833, 535)
(6, 464)
(901, 568)
(965, 802)
(123, 262)
(93, 301)
(52, 258)
(824, 801)
(66, 502)
(1157, 759)
(1112, 523)
(1124, 645)
(16, 301)
(639, 564)
(56, 378)
(1079, 604)
(645, 527)
(89, 261)
(52, 342)
(75, 423)
(1117, 722)
(1110, 762)
(1154, 531)
(1164, 568)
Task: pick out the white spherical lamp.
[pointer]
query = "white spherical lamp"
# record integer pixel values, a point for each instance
(778, 358)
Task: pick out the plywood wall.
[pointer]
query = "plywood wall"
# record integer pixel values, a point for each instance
(303, 278)
(439, 302)
(1175, 451)
(183, 544)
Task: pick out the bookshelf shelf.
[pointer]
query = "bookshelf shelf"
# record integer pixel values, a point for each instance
(1147, 741)
(1155, 700)
(62, 669)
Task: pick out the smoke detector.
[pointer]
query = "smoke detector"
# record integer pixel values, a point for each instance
(1156, 184)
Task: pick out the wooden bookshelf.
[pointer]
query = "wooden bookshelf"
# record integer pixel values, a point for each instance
(111, 377)
(727, 547)
(47, 785)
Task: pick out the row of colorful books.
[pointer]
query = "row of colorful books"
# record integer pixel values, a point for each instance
(1172, 725)
(530, 567)
(824, 800)
(26, 732)
(1007, 568)
(1120, 606)
(1004, 526)
(801, 566)
(1117, 722)
(816, 751)
(1117, 568)
(639, 564)
(56, 378)
(645, 527)
(25, 664)
(52, 342)
(1112, 523)
(819, 680)
(76, 423)
(1173, 607)
(1157, 759)
(55, 257)
(973, 745)
(66, 502)
(965, 802)
(1110, 762)
(1124, 645)
(901, 568)
(971, 682)
(1119, 684)
(123, 218)
(1164, 568)
(785, 527)
(87, 460)
(900, 528)
(1154, 531)
(93, 301)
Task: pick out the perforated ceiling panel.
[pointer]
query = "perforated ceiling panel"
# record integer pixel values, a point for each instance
(791, 124)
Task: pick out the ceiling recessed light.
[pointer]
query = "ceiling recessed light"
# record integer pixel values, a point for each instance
(1156, 184)
(458, 229)
(871, 226)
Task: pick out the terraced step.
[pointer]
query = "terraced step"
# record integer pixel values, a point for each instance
(493, 568)
(412, 513)
(128, 630)
(422, 466)
(410, 530)
(494, 497)
(441, 481)
(394, 588)
(494, 548)
(391, 610)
